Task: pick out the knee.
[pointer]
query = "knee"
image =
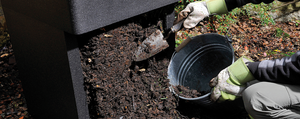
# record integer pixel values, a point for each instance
(254, 102)
(248, 97)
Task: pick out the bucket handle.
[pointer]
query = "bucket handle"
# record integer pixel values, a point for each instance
(228, 33)
(229, 41)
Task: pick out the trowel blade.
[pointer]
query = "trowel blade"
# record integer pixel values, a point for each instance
(154, 44)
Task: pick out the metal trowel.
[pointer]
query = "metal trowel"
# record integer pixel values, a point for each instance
(154, 44)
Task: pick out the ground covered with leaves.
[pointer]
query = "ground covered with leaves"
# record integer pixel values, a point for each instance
(118, 87)
(252, 38)
(12, 101)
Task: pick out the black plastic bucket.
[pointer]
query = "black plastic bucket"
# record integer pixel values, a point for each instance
(198, 62)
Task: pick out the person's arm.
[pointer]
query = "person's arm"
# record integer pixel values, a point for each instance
(285, 70)
(231, 4)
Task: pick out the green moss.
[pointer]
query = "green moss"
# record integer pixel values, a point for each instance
(280, 33)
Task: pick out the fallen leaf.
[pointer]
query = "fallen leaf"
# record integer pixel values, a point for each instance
(4, 55)
(265, 54)
(89, 60)
(141, 70)
(246, 48)
(19, 96)
(108, 36)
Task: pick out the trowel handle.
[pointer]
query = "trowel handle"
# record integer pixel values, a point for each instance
(177, 26)
(174, 29)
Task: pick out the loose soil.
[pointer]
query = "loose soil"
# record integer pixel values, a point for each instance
(187, 92)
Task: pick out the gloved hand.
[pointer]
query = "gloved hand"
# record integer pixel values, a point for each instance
(194, 13)
(231, 81)
(197, 11)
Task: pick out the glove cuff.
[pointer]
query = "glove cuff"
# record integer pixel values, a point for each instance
(226, 96)
(239, 72)
(216, 6)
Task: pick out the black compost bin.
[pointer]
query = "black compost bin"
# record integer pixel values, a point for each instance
(198, 62)
(45, 34)
(81, 16)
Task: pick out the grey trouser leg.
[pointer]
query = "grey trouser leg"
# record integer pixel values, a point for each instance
(266, 100)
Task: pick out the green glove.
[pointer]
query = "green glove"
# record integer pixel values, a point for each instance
(216, 6)
(231, 81)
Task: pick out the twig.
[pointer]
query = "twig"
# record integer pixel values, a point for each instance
(133, 104)
(180, 114)
(113, 98)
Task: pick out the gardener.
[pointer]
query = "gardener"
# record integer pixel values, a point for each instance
(276, 95)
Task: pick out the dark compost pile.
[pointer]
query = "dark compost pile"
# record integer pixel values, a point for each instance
(124, 88)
